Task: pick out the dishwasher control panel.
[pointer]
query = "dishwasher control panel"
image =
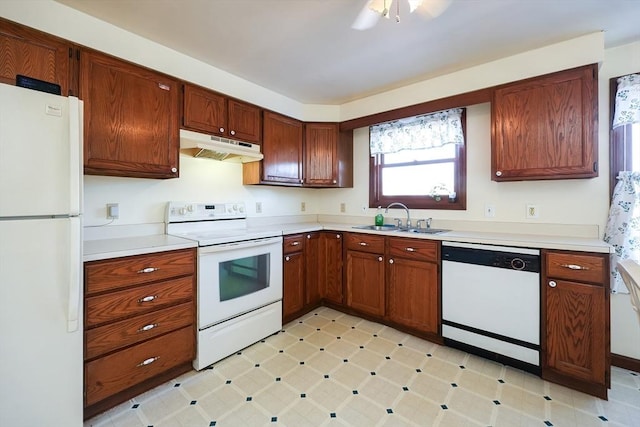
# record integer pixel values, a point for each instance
(490, 256)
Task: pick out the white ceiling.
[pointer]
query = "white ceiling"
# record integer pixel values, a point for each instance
(307, 50)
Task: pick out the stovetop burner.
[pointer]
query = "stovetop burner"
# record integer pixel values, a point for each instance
(211, 223)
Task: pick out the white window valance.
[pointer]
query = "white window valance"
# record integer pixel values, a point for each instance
(627, 107)
(417, 133)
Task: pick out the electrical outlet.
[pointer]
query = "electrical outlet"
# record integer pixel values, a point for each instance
(364, 208)
(303, 206)
(489, 211)
(343, 207)
(113, 210)
(258, 207)
(533, 211)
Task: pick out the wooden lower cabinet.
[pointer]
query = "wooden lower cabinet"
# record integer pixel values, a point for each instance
(313, 269)
(575, 295)
(331, 284)
(139, 325)
(413, 290)
(365, 273)
(293, 271)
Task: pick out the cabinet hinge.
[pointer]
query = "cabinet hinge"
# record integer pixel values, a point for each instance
(70, 52)
(78, 54)
(595, 166)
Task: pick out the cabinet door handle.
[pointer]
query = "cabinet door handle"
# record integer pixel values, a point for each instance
(295, 243)
(148, 361)
(148, 327)
(363, 243)
(552, 283)
(409, 249)
(287, 258)
(233, 132)
(147, 270)
(391, 261)
(148, 298)
(221, 130)
(335, 182)
(498, 173)
(574, 267)
(337, 236)
(308, 236)
(380, 258)
(174, 170)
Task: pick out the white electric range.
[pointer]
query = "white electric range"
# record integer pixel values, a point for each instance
(239, 298)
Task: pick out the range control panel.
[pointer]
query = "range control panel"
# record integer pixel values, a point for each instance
(190, 211)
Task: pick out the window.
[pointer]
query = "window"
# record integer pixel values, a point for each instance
(624, 143)
(422, 169)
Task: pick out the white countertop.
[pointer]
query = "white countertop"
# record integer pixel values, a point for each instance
(126, 246)
(136, 245)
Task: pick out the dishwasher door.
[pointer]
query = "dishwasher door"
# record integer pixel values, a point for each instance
(491, 301)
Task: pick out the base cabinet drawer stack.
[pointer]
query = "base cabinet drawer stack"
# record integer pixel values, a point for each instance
(139, 325)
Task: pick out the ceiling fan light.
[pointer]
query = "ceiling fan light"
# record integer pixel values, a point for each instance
(413, 5)
(380, 6)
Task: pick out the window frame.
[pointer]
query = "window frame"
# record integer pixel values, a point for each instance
(424, 202)
(620, 139)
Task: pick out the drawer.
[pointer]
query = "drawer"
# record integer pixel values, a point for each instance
(124, 333)
(576, 267)
(365, 243)
(293, 243)
(111, 374)
(142, 299)
(117, 273)
(417, 249)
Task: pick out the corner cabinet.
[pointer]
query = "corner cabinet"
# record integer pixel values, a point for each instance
(546, 127)
(215, 114)
(131, 118)
(139, 325)
(35, 54)
(576, 344)
(328, 156)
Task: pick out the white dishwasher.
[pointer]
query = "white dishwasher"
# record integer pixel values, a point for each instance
(491, 302)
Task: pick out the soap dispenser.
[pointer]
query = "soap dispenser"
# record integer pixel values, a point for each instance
(379, 220)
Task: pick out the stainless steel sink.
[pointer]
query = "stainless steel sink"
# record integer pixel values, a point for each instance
(424, 230)
(385, 227)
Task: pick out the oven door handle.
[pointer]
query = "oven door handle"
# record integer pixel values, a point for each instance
(241, 245)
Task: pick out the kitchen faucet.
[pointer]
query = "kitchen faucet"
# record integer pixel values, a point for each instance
(405, 208)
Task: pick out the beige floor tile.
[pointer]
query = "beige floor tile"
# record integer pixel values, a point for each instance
(380, 391)
(300, 350)
(430, 388)
(329, 394)
(351, 375)
(319, 339)
(189, 416)
(356, 336)
(342, 348)
(409, 357)
(417, 409)
(324, 361)
(441, 369)
(450, 418)
(381, 346)
(280, 365)
(221, 401)
(478, 383)
(302, 378)
(252, 381)
(396, 372)
(336, 328)
(472, 405)
(360, 412)
(367, 359)
(276, 397)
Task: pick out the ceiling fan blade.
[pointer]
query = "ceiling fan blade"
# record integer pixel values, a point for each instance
(367, 18)
(433, 8)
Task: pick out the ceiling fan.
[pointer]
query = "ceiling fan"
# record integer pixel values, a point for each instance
(374, 9)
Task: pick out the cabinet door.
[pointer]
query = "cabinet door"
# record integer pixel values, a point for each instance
(365, 282)
(204, 110)
(131, 119)
(413, 294)
(545, 127)
(576, 325)
(293, 286)
(282, 149)
(331, 272)
(244, 121)
(35, 54)
(321, 154)
(314, 268)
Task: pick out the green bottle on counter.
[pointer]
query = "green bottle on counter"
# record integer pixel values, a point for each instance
(379, 220)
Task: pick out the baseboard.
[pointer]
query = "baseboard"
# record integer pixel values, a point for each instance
(625, 362)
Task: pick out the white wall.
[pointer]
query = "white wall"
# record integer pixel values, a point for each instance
(561, 202)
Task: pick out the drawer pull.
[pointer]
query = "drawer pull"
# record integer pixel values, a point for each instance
(287, 258)
(148, 361)
(574, 267)
(147, 270)
(409, 249)
(363, 243)
(148, 298)
(148, 327)
(295, 243)
(552, 283)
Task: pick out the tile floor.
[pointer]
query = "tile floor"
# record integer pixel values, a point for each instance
(329, 368)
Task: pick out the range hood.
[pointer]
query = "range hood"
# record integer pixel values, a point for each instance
(214, 147)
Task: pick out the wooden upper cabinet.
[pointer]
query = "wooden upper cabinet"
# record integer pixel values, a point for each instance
(282, 149)
(546, 127)
(36, 54)
(131, 117)
(328, 156)
(215, 114)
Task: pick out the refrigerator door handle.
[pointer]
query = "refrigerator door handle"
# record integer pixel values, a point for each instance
(75, 274)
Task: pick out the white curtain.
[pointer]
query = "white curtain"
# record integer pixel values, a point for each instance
(623, 226)
(417, 133)
(627, 107)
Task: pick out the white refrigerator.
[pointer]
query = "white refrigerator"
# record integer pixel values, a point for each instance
(41, 353)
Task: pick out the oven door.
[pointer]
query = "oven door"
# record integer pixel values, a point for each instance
(236, 278)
